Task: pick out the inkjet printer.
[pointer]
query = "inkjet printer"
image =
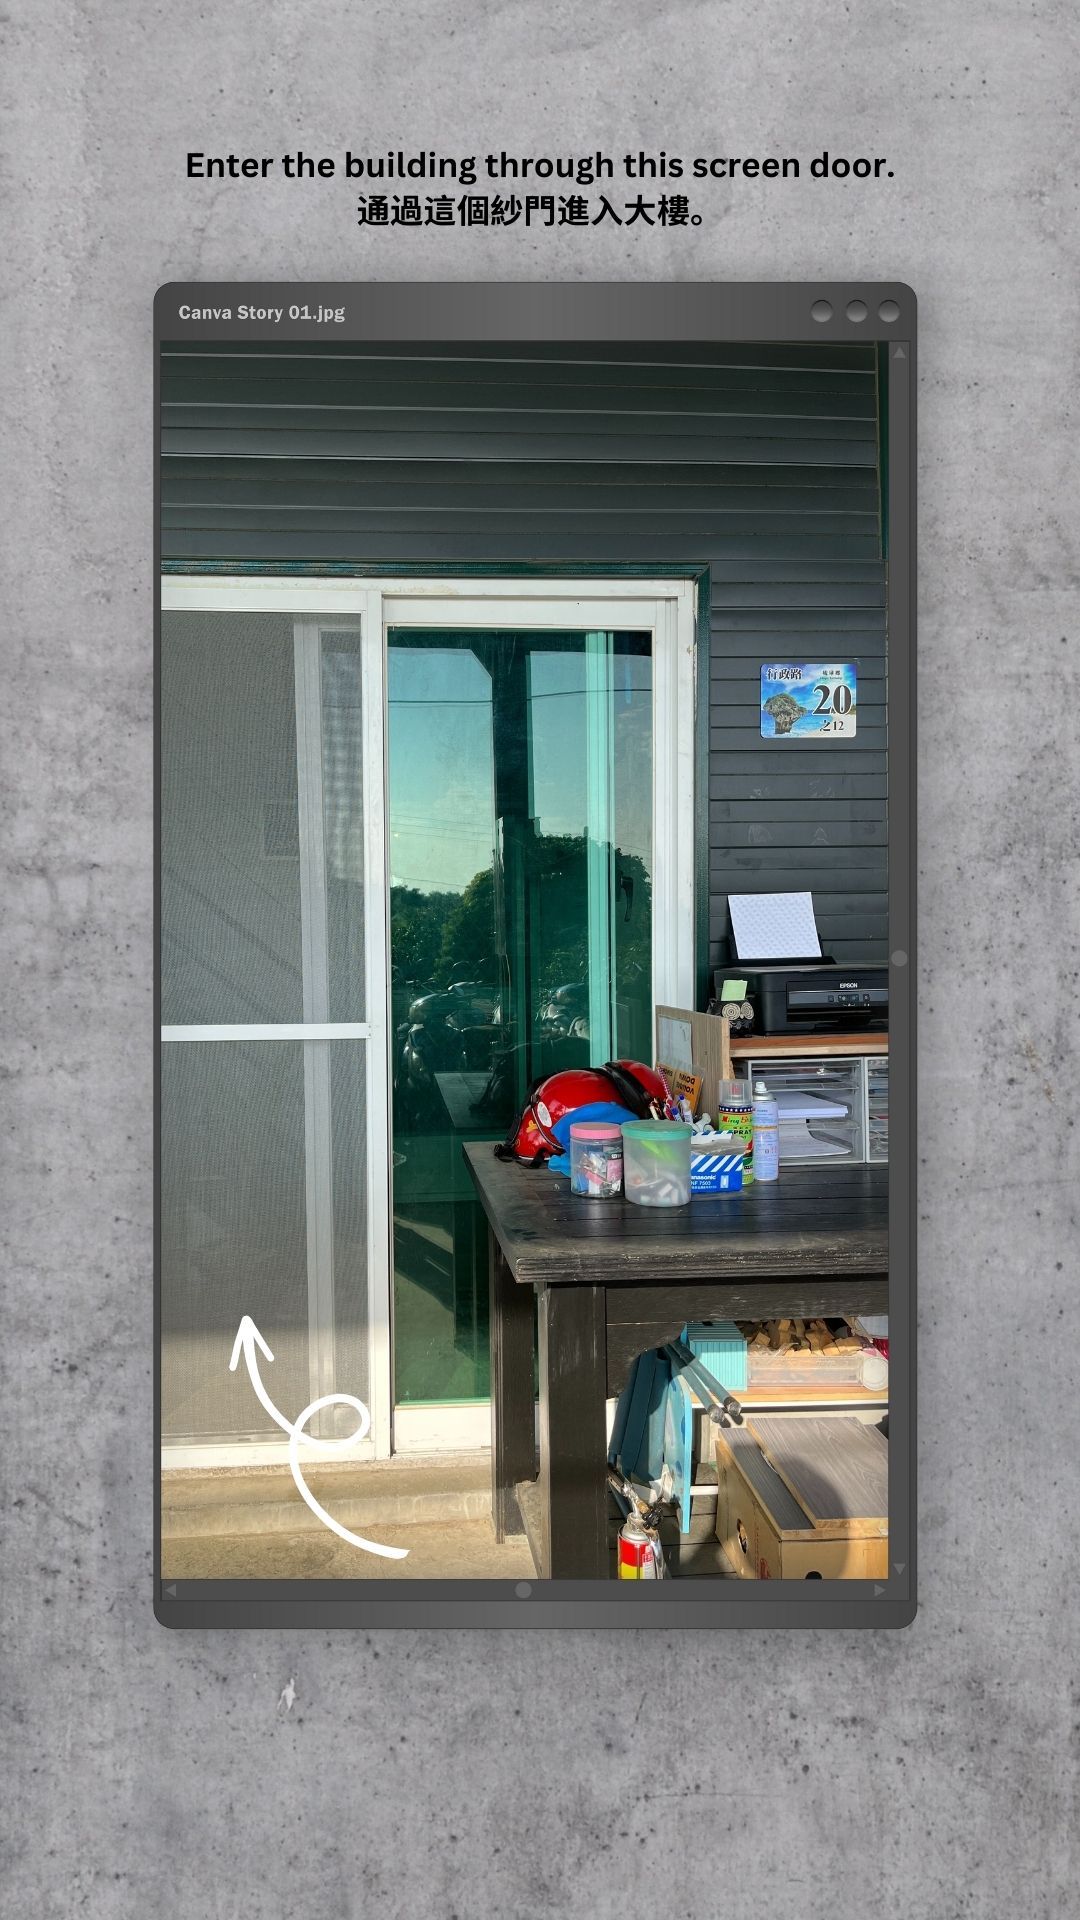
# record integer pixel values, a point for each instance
(813, 996)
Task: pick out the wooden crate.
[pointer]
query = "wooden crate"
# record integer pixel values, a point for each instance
(799, 1499)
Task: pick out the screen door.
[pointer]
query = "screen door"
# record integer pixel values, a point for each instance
(268, 980)
(540, 740)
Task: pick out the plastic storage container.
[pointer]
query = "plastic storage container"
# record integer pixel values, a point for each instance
(873, 1369)
(596, 1159)
(805, 1369)
(656, 1162)
(820, 1106)
(877, 1099)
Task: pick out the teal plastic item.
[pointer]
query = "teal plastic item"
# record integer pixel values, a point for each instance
(637, 1434)
(679, 1446)
(654, 1419)
(720, 1347)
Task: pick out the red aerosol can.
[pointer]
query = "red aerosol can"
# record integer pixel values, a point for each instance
(639, 1551)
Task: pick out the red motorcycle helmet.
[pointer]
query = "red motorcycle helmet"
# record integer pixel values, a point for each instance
(624, 1083)
(638, 1086)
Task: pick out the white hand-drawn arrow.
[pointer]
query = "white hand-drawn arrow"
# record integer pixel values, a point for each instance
(247, 1339)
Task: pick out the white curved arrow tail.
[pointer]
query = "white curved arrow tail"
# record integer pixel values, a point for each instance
(302, 1488)
(247, 1339)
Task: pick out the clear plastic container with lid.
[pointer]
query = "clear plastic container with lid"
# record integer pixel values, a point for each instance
(596, 1159)
(656, 1155)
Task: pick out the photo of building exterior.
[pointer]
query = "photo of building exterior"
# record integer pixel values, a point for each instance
(463, 750)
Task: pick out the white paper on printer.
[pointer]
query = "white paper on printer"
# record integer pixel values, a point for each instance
(774, 926)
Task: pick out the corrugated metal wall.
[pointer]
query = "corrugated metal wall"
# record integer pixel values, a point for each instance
(761, 464)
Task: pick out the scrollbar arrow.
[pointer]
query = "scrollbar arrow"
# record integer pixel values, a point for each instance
(899, 1565)
(878, 1590)
(171, 1591)
(899, 354)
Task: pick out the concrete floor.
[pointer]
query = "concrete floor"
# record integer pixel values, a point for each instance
(405, 1491)
(251, 1524)
(437, 1550)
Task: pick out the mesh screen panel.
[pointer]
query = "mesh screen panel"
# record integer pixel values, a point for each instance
(234, 1197)
(230, 853)
(343, 824)
(234, 1231)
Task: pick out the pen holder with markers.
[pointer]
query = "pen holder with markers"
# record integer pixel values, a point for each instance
(656, 1162)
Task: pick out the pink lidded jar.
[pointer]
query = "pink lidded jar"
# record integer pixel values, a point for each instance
(595, 1159)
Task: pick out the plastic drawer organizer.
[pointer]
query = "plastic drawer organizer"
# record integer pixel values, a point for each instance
(877, 1108)
(831, 1109)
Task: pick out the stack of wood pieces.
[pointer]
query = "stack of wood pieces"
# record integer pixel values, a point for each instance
(805, 1338)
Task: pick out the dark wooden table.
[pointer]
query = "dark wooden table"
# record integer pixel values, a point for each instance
(608, 1280)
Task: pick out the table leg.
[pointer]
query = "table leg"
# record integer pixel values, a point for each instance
(513, 1446)
(573, 1450)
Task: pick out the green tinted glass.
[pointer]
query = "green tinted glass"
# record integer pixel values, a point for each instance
(520, 774)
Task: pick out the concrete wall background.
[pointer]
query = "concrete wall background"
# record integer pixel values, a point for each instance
(930, 1773)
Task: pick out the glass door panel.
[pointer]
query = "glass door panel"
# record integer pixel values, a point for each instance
(520, 785)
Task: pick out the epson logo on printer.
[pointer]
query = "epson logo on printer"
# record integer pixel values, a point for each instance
(847, 983)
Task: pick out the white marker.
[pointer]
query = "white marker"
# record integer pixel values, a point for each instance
(247, 1339)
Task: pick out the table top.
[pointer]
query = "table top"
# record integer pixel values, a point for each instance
(813, 1220)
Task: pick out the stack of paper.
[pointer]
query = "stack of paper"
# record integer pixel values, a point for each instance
(798, 1143)
(796, 1112)
(808, 1106)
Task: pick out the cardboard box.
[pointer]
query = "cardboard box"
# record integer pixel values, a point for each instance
(715, 1172)
(768, 1534)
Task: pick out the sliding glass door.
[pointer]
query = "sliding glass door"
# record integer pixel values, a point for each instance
(521, 863)
(421, 842)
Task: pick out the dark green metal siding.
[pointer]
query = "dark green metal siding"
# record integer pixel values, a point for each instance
(759, 464)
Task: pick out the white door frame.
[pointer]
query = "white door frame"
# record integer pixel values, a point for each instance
(663, 607)
(666, 609)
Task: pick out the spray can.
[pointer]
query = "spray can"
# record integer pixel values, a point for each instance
(736, 1115)
(639, 1550)
(766, 1134)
